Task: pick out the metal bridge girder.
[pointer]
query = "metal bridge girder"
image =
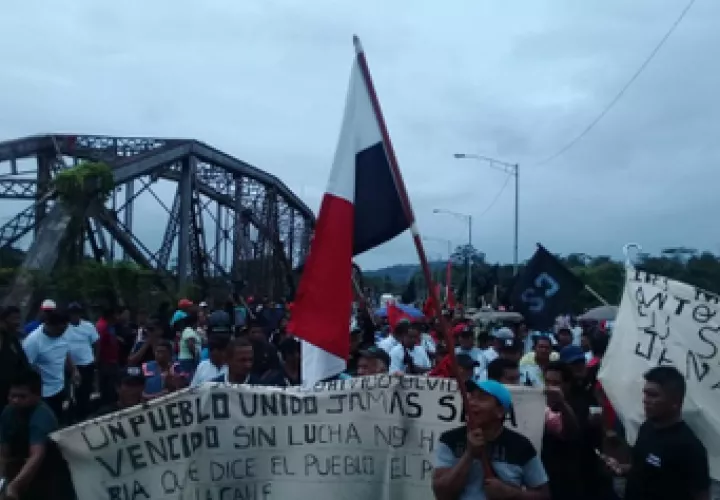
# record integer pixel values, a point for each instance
(214, 190)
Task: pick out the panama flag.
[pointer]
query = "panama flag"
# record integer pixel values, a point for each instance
(361, 209)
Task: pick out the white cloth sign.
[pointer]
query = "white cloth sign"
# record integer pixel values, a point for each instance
(666, 322)
(371, 437)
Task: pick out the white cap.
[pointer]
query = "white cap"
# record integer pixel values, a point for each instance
(48, 305)
(203, 304)
(504, 333)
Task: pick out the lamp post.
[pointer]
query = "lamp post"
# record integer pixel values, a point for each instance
(508, 168)
(468, 218)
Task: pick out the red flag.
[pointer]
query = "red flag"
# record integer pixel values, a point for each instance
(449, 296)
(428, 308)
(396, 315)
(443, 369)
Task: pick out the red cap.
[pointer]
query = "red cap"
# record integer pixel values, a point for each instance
(184, 303)
(457, 329)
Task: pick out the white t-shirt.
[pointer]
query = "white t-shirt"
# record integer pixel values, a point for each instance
(184, 353)
(388, 343)
(576, 333)
(81, 338)
(528, 345)
(48, 355)
(417, 353)
(428, 343)
(206, 371)
(531, 375)
(477, 355)
(490, 354)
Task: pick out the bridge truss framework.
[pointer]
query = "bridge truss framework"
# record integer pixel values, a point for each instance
(227, 220)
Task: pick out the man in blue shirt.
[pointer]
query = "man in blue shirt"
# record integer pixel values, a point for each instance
(517, 470)
(46, 306)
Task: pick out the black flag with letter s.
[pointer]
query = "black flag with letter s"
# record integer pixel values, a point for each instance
(544, 290)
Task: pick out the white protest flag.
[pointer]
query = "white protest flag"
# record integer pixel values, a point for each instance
(666, 322)
(371, 437)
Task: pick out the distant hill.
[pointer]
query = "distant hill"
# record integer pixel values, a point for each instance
(401, 273)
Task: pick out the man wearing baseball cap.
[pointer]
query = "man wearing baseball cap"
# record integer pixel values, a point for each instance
(497, 338)
(466, 366)
(511, 349)
(46, 306)
(185, 305)
(466, 345)
(518, 471)
(581, 396)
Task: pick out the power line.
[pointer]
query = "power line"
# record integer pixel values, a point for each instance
(497, 197)
(624, 89)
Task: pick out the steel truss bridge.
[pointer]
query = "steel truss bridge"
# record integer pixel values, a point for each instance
(227, 219)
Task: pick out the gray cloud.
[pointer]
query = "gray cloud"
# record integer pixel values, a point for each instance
(266, 81)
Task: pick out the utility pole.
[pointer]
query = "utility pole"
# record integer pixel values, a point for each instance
(510, 169)
(449, 251)
(468, 218)
(468, 282)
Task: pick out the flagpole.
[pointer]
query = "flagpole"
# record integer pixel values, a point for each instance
(363, 300)
(397, 176)
(597, 295)
(410, 216)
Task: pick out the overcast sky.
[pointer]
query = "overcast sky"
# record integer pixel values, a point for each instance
(265, 81)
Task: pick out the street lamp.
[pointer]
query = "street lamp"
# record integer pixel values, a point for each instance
(508, 168)
(468, 218)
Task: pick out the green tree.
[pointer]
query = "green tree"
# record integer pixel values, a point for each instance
(602, 273)
(463, 252)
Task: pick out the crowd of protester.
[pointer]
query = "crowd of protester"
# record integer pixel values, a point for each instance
(62, 369)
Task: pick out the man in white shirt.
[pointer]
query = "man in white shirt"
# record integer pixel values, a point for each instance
(215, 366)
(466, 345)
(428, 344)
(48, 350)
(82, 336)
(532, 365)
(409, 357)
(499, 337)
(388, 343)
(467, 367)
(577, 331)
(190, 345)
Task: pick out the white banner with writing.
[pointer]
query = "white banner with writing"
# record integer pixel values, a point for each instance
(371, 437)
(666, 322)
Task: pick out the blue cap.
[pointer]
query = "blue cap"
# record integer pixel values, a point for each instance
(495, 389)
(179, 315)
(571, 354)
(219, 322)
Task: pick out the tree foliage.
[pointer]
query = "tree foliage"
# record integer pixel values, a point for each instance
(602, 273)
(84, 182)
(463, 252)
